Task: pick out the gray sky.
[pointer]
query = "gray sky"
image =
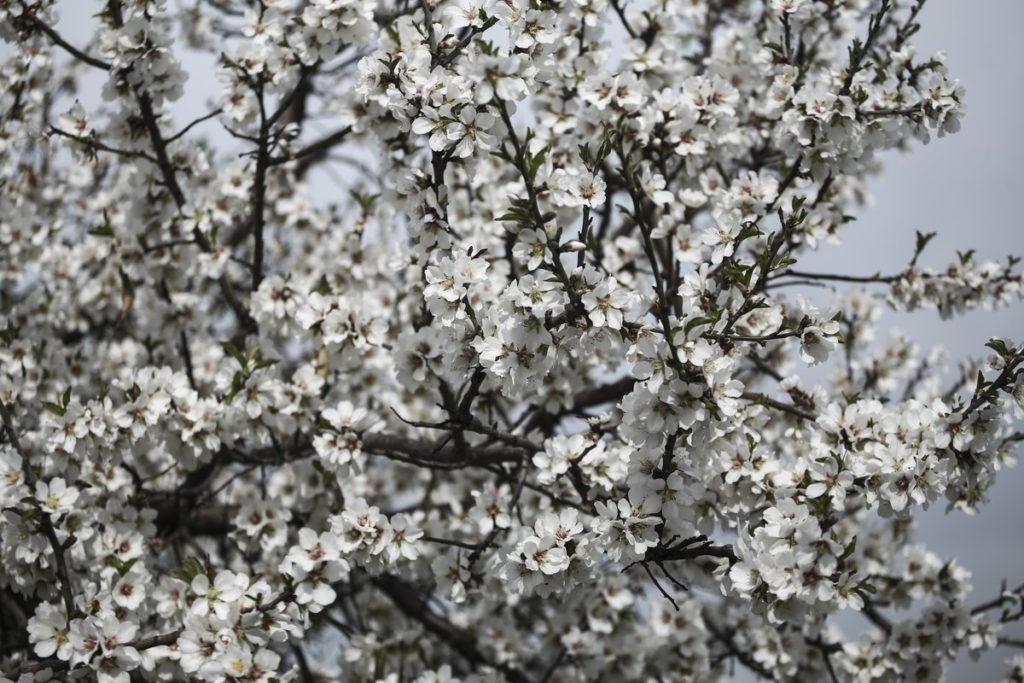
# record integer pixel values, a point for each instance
(967, 187)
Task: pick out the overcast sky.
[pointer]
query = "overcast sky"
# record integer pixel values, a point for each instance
(968, 187)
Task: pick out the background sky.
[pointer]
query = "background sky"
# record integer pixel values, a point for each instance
(967, 187)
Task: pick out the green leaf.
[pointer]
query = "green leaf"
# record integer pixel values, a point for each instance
(323, 287)
(120, 565)
(738, 273)
(690, 324)
(190, 569)
(54, 408)
(848, 550)
(365, 201)
(235, 353)
(923, 238)
(264, 363)
(9, 333)
(237, 384)
(533, 163)
(749, 230)
(784, 261)
(1000, 347)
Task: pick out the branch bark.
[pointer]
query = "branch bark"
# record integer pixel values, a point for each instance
(45, 523)
(412, 603)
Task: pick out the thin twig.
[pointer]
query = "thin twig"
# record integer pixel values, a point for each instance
(45, 523)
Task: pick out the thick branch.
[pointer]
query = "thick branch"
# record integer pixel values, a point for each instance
(414, 605)
(56, 665)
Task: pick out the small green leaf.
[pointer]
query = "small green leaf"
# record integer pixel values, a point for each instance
(1000, 347)
(120, 565)
(235, 353)
(190, 569)
(923, 238)
(848, 550)
(9, 333)
(54, 408)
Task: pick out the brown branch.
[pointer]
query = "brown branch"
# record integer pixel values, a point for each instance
(586, 398)
(775, 244)
(45, 523)
(744, 658)
(1004, 597)
(313, 152)
(877, 277)
(468, 36)
(778, 405)
(858, 53)
(55, 665)
(170, 179)
(13, 624)
(450, 541)
(757, 339)
(425, 451)
(95, 144)
(175, 511)
(259, 194)
(210, 520)
(872, 614)
(620, 11)
(194, 123)
(562, 652)
(68, 47)
(702, 548)
(159, 145)
(1004, 378)
(414, 605)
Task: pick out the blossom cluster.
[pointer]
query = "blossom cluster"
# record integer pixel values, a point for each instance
(465, 340)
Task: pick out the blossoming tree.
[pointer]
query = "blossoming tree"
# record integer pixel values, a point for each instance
(525, 401)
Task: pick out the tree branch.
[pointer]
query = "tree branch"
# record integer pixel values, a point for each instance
(413, 604)
(45, 523)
